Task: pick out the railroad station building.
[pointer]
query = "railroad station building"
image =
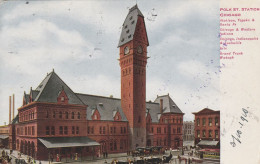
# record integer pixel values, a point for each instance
(55, 120)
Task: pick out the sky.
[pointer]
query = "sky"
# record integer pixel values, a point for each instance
(78, 39)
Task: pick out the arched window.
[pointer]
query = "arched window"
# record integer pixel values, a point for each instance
(67, 115)
(78, 115)
(72, 115)
(60, 115)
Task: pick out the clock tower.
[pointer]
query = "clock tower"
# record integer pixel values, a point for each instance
(133, 58)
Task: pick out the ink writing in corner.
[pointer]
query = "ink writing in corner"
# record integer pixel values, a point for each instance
(236, 137)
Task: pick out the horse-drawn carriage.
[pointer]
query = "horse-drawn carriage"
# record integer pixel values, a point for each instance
(141, 151)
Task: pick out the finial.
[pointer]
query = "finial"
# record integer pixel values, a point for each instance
(52, 69)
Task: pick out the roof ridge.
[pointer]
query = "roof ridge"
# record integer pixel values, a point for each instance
(39, 94)
(98, 96)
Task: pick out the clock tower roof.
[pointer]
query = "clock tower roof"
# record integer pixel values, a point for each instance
(129, 26)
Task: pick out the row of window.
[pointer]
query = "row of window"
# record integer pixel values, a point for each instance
(102, 130)
(63, 130)
(160, 142)
(26, 116)
(210, 135)
(209, 121)
(62, 115)
(173, 120)
(159, 130)
(28, 130)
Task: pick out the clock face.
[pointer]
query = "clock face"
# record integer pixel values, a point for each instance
(126, 50)
(140, 49)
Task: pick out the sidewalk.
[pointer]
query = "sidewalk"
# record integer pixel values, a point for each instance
(14, 155)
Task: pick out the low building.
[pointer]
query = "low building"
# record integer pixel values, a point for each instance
(207, 128)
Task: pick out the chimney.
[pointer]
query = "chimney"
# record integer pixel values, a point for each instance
(161, 106)
(13, 107)
(10, 104)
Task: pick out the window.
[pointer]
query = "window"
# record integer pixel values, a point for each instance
(33, 115)
(53, 114)
(77, 130)
(173, 120)
(72, 115)
(100, 130)
(198, 133)
(60, 115)
(121, 144)
(52, 130)
(164, 129)
(92, 130)
(216, 121)
(47, 114)
(111, 145)
(114, 129)
(78, 115)
(178, 130)
(173, 130)
(95, 117)
(29, 130)
(73, 129)
(210, 133)
(67, 115)
(180, 120)
(121, 130)
(204, 122)
(204, 133)
(111, 130)
(47, 130)
(210, 121)
(61, 130)
(104, 130)
(25, 130)
(152, 129)
(198, 122)
(124, 129)
(216, 133)
(65, 130)
(115, 145)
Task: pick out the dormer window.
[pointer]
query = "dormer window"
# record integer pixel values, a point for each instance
(62, 99)
(95, 117)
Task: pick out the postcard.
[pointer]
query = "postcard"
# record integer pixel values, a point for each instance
(130, 81)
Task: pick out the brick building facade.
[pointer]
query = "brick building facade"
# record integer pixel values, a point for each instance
(207, 128)
(55, 120)
(188, 131)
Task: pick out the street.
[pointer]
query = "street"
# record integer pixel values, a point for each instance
(121, 157)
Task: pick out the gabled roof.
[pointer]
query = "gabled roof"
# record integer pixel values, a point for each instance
(154, 110)
(26, 98)
(128, 28)
(205, 111)
(169, 105)
(106, 106)
(49, 89)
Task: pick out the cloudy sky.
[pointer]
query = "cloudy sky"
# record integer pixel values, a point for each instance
(79, 40)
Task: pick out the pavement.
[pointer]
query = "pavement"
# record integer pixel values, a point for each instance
(118, 156)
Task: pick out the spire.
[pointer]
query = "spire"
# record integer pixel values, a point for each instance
(129, 26)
